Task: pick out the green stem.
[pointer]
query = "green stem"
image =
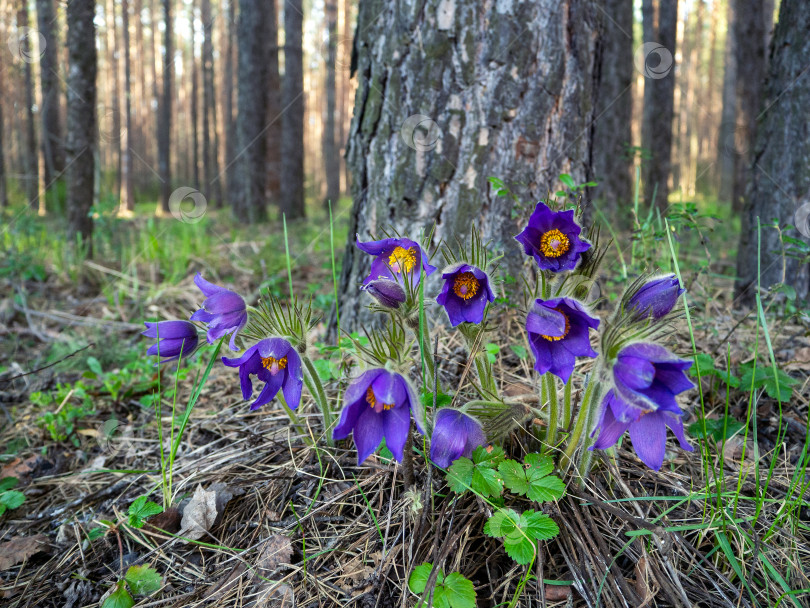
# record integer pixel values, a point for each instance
(315, 387)
(583, 417)
(553, 410)
(422, 332)
(294, 418)
(566, 423)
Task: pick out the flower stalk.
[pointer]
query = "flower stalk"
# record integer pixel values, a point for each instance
(590, 402)
(553, 410)
(315, 387)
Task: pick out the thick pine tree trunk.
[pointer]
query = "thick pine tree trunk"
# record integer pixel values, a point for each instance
(274, 108)
(51, 136)
(612, 137)
(660, 22)
(727, 149)
(30, 146)
(249, 203)
(331, 157)
(81, 117)
(292, 136)
(165, 110)
(751, 27)
(779, 180)
(450, 94)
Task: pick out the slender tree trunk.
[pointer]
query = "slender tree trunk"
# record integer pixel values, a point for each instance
(81, 118)
(251, 156)
(228, 123)
(51, 135)
(330, 152)
(141, 98)
(751, 28)
(195, 94)
(292, 139)
(273, 118)
(165, 111)
(659, 101)
(612, 162)
(504, 90)
(127, 190)
(779, 182)
(115, 134)
(727, 149)
(3, 144)
(213, 185)
(31, 154)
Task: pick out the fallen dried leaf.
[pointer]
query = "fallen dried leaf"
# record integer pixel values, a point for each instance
(277, 550)
(21, 469)
(557, 593)
(200, 514)
(21, 548)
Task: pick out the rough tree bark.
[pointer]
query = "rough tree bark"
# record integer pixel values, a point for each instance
(292, 136)
(249, 202)
(31, 155)
(779, 180)
(81, 118)
(726, 149)
(751, 26)
(51, 135)
(331, 157)
(660, 22)
(451, 93)
(165, 111)
(213, 185)
(273, 118)
(612, 161)
(127, 190)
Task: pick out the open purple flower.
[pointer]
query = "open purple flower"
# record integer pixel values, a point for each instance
(378, 405)
(465, 293)
(396, 259)
(387, 292)
(455, 434)
(275, 362)
(655, 298)
(647, 377)
(648, 428)
(223, 310)
(552, 239)
(558, 334)
(175, 339)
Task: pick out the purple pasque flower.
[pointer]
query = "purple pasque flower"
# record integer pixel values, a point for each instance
(455, 434)
(559, 333)
(647, 377)
(655, 298)
(388, 293)
(175, 339)
(396, 259)
(275, 362)
(465, 293)
(648, 428)
(377, 405)
(552, 239)
(223, 310)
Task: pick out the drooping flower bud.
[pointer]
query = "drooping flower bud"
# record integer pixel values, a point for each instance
(175, 339)
(387, 292)
(224, 311)
(655, 298)
(455, 434)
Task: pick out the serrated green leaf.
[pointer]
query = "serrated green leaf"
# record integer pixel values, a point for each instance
(459, 475)
(520, 549)
(491, 455)
(502, 523)
(520, 351)
(140, 509)
(545, 488)
(567, 180)
(459, 591)
(419, 577)
(714, 428)
(538, 526)
(94, 366)
(426, 399)
(12, 499)
(514, 477)
(120, 598)
(143, 580)
(543, 465)
(485, 481)
(8, 483)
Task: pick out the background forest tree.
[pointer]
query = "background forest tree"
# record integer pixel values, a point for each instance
(268, 107)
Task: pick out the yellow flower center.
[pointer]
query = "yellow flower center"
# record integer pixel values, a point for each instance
(402, 260)
(565, 331)
(372, 402)
(554, 243)
(274, 365)
(466, 285)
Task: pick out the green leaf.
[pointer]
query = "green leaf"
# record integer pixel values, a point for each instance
(12, 499)
(459, 475)
(521, 549)
(514, 477)
(94, 366)
(567, 180)
(419, 577)
(8, 483)
(542, 465)
(485, 481)
(459, 591)
(492, 455)
(714, 428)
(539, 526)
(502, 523)
(143, 580)
(707, 368)
(520, 351)
(479, 474)
(120, 598)
(323, 369)
(520, 532)
(492, 351)
(140, 509)
(534, 480)
(426, 398)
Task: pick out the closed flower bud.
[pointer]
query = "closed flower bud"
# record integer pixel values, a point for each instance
(655, 298)
(455, 434)
(388, 293)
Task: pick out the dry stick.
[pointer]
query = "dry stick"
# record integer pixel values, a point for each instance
(39, 369)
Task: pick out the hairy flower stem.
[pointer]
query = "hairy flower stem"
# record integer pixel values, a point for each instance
(587, 409)
(553, 410)
(407, 460)
(566, 421)
(315, 387)
(422, 333)
(482, 364)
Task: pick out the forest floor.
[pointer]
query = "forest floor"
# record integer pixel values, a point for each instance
(281, 520)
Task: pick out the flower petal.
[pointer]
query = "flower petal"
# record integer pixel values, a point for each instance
(367, 433)
(649, 437)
